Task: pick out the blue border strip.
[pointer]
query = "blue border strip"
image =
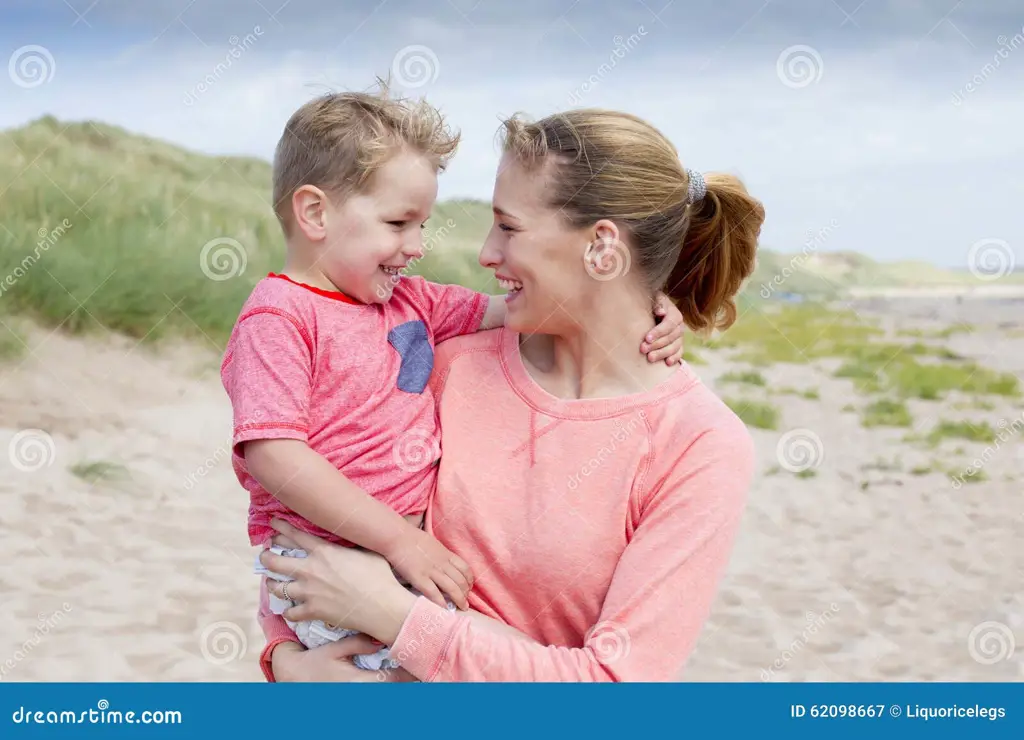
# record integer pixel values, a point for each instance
(627, 711)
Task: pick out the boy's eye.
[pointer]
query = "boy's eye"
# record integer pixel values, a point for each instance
(398, 224)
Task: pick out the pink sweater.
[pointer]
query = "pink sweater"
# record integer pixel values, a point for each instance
(600, 528)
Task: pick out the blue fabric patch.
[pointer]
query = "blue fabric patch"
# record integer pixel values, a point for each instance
(411, 342)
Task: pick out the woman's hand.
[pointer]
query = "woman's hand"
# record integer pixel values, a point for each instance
(343, 586)
(331, 663)
(665, 341)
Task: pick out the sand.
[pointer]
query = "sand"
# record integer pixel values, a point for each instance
(862, 572)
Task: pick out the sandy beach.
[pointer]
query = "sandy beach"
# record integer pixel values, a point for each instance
(124, 527)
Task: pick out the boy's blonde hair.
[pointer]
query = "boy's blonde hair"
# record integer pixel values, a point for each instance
(339, 140)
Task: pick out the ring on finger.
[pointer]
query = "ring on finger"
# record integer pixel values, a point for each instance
(284, 591)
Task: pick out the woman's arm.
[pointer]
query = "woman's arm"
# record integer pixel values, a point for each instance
(656, 605)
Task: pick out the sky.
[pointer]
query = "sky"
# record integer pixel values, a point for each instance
(891, 126)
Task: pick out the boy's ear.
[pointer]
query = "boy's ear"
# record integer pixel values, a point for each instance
(308, 210)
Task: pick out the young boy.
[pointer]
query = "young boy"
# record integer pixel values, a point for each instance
(327, 365)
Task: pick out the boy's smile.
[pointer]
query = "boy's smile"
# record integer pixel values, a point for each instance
(374, 235)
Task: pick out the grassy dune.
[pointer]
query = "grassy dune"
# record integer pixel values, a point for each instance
(102, 227)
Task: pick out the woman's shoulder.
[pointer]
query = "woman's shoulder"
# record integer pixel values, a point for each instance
(696, 419)
(481, 346)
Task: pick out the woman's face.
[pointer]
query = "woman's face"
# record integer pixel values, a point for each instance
(536, 255)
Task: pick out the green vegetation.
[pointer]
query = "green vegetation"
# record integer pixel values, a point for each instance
(849, 408)
(958, 328)
(808, 473)
(96, 471)
(102, 227)
(811, 394)
(11, 345)
(749, 377)
(888, 413)
(921, 470)
(884, 465)
(691, 356)
(978, 431)
(754, 413)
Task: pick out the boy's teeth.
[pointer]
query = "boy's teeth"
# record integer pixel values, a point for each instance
(390, 270)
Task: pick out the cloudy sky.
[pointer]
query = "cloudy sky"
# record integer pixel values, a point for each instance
(895, 124)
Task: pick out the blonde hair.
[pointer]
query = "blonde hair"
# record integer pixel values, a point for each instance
(609, 165)
(339, 140)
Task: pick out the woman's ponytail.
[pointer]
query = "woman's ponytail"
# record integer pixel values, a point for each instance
(717, 255)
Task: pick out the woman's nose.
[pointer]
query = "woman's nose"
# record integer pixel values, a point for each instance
(490, 252)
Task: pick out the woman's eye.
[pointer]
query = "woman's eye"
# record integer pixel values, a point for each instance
(505, 227)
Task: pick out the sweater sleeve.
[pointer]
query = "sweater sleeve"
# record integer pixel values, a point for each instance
(660, 596)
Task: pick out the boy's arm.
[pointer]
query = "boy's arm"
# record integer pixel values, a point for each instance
(495, 314)
(311, 486)
(663, 342)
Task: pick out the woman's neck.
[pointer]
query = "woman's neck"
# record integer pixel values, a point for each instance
(600, 358)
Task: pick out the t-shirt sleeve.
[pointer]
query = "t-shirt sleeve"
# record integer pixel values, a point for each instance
(267, 374)
(453, 309)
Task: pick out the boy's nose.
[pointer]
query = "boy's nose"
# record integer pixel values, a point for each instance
(413, 250)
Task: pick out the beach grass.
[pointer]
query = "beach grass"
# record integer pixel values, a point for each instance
(976, 431)
(94, 471)
(755, 413)
(748, 377)
(888, 413)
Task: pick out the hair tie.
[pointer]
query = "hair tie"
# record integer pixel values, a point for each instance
(698, 188)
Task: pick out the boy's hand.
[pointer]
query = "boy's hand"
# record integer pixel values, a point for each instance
(665, 341)
(431, 568)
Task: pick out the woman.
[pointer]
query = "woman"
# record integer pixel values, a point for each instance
(596, 496)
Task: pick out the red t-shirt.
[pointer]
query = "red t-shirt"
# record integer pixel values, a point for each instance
(347, 378)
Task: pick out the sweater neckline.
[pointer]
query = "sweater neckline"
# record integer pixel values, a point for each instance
(581, 408)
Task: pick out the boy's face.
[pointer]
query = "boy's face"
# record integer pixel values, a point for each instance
(373, 235)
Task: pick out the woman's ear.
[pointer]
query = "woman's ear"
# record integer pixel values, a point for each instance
(606, 257)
